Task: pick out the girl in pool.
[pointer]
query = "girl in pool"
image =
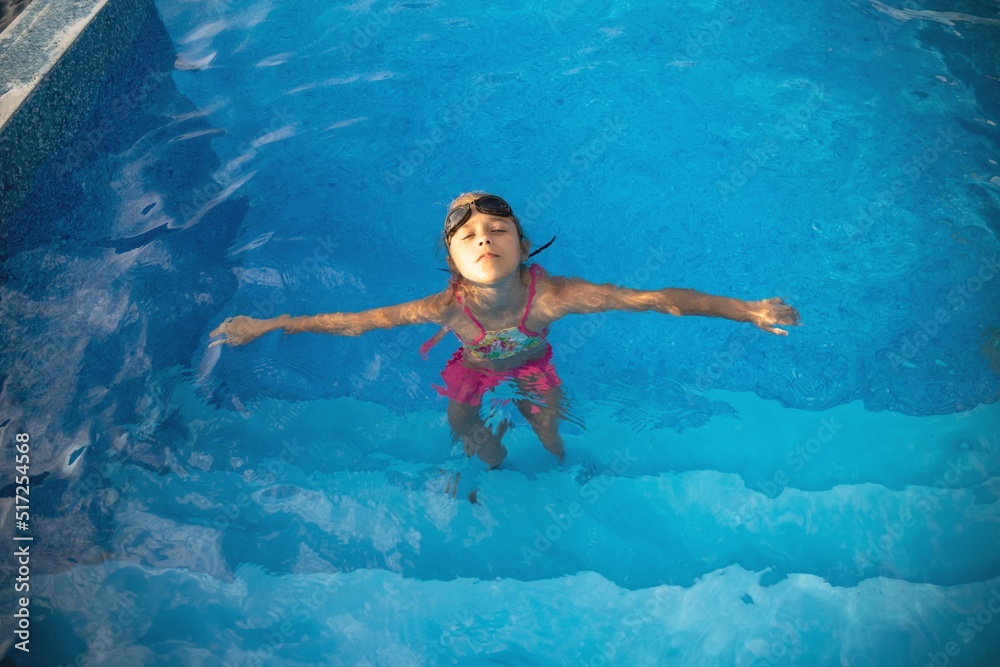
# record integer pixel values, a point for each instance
(500, 309)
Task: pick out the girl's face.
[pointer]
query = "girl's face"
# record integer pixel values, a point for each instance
(486, 249)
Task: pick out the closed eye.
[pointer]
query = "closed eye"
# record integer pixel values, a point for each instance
(498, 229)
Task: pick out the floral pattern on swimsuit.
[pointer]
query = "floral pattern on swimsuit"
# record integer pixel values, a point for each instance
(502, 344)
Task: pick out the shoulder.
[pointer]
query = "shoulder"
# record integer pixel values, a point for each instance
(435, 308)
(553, 286)
(565, 295)
(443, 305)
(551, 293)
(542, 278)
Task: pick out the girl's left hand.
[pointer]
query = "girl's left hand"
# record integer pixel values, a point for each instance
(768, 312)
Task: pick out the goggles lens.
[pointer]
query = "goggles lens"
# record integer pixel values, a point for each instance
(492, 205)
(489, 204)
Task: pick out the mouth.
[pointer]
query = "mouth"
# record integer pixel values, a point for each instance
(487, 254)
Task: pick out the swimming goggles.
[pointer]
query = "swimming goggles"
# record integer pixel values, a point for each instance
(490, 205)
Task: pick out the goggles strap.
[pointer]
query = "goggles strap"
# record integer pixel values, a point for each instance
(543, 247)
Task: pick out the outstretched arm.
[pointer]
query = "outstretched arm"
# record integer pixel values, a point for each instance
(575, 296)
(241, 329)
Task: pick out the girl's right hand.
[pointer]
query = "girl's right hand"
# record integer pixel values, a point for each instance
(240, 330)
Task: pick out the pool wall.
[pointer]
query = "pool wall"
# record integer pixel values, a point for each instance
(9, 10)
(53, 58)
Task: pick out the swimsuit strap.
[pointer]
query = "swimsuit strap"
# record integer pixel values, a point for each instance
(531, 296)
(458, 297)
(524, 318)
(482, 331)
(434, 340)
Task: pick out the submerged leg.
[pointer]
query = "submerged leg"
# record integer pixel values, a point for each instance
(544, 416)
(467, 425)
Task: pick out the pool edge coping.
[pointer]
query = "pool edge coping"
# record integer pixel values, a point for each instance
(40, 20)
(55, 56)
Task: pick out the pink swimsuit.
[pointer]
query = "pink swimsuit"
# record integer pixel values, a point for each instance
(467, 384)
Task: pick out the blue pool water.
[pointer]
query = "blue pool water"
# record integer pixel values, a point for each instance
(829, 498)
